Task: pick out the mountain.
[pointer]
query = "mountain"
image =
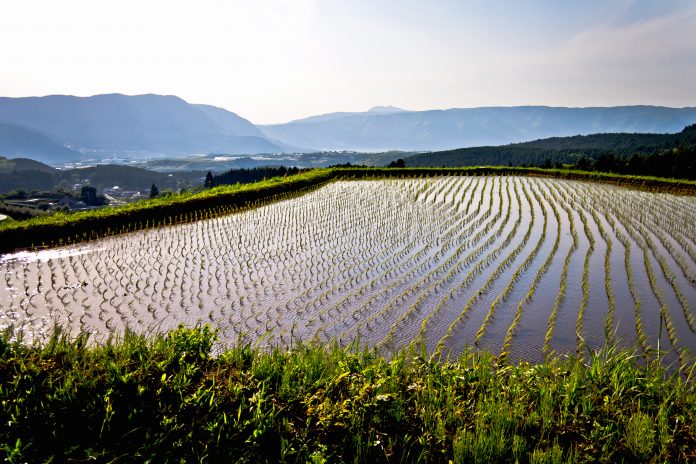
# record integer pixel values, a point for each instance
(385, 109)
(17, 165)
(143, 124)
(385, 128)
(21, 141)
(566, 150)
(230, 123)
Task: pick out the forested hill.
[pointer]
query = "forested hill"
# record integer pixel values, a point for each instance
(26, 174)
(564, 150)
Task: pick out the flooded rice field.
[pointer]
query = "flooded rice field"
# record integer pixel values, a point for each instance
(516, 265)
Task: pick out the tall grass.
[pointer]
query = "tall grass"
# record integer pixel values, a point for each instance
(167, 399)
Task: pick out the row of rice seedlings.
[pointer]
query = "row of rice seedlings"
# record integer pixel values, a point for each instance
(449, 189)
(367, 322)
(387, 270)
(452, 225)
(420, 338)
(356, 282)
(656, 290)
(585, 282)
(67, 302)
(662, 304)
(405, 278)
(678, 257)
(521, 269)
(409, 313)
(659, 224)
(637, 301)
(512, 330)
(671, 278)
(504, 264)
(664, 311)
(562, 286)
(609, 322)
(569, 194)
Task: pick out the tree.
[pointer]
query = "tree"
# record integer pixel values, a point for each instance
(154, 191)
(208, 180)
(583, 164)
(88, 194)
(636, 164)
(398, 164)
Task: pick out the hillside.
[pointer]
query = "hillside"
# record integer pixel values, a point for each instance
(21, 141)
(395, 129)
(121, 124)
(30, 175)
(559, 149)
(229, 122)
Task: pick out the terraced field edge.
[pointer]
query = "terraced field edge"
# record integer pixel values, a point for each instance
(67, 228)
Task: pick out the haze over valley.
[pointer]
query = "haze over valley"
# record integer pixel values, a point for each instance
(109, 128)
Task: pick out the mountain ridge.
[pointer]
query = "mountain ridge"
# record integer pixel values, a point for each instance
(443, 129)
(115, 123)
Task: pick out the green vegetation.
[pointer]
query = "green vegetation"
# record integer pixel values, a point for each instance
(64, 228)
(88, 194)
(19, 212)
(20, 173)
(167, 399)
(662, 155)
(245, 176)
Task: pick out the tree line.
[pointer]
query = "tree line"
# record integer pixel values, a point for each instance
(679, 163)
(659, 155)
(245, 176)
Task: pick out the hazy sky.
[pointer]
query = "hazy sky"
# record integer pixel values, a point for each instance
(276, 60)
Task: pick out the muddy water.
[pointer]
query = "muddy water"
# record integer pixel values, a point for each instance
(444, 262)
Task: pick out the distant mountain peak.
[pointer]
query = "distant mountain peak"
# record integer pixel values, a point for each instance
(385, 109)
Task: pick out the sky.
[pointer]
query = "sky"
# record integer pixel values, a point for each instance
(272, 61)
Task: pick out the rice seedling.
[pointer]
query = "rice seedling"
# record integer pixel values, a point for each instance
(389, 260)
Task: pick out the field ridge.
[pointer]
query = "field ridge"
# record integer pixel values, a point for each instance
(66, 228)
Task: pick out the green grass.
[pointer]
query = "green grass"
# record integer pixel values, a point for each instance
(167, 399)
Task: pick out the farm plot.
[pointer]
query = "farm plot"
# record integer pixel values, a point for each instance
(524, 267)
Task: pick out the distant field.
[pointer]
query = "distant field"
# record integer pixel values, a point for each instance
(522, 266)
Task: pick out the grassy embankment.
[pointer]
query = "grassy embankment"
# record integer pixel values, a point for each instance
(65, 228)
(168, 400)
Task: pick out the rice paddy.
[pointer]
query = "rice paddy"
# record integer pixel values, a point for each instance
(523, 267)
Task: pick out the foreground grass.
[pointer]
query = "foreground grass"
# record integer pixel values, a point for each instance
(166, 399)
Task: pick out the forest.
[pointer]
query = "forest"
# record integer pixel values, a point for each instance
(662, 155)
